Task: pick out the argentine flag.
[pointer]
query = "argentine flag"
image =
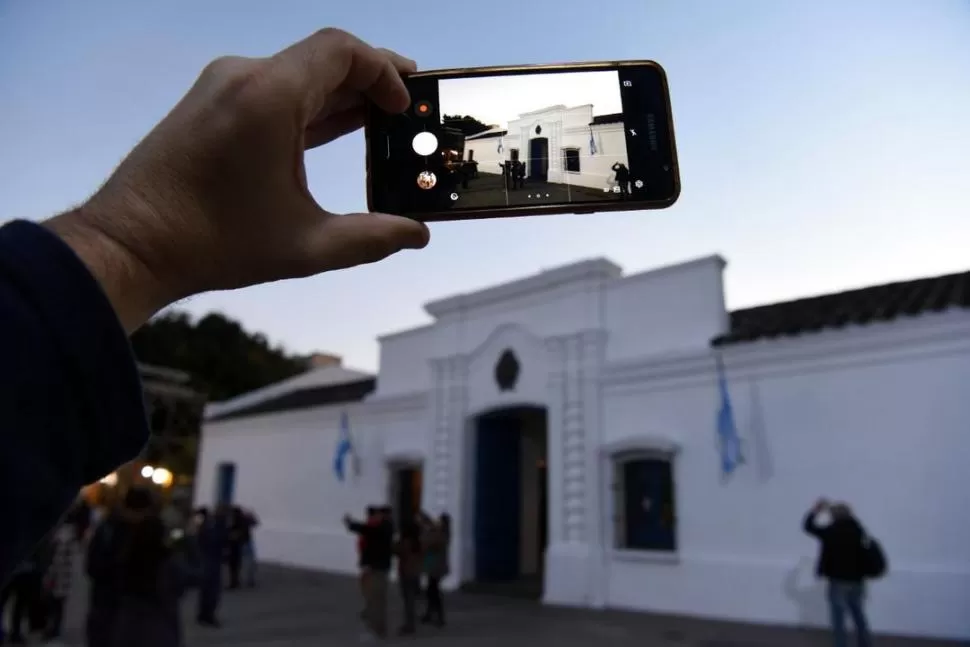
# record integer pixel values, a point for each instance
(592, 143)
(729, 443)
(344, 448)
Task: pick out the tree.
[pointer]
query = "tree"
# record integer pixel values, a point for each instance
(223, 359)
(467, 125)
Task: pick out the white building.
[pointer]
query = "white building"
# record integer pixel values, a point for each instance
(567, 422)
(558, 144)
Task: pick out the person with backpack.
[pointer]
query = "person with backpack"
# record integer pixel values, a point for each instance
(848, 557)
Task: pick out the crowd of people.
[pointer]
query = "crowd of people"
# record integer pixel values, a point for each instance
(420, 548)
(139, 565)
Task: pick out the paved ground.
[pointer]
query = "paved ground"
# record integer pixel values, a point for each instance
(294, 609)
(488, 190)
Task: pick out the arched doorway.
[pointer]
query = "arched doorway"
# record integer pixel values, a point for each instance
(539, 159)
(510, 499)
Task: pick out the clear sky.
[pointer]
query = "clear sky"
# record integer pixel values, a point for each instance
(496, 100)
(824, 144)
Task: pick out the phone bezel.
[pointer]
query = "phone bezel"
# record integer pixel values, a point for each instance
(536, 210)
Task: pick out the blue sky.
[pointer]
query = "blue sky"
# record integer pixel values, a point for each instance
(824, 144)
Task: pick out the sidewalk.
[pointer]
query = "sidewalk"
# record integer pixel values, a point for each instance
(299, 609)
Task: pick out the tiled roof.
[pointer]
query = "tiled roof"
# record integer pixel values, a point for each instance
(320, 386)
(853, 307)
(304, 399)
(613, 118)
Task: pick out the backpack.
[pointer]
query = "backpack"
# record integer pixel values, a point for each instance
(874, 563)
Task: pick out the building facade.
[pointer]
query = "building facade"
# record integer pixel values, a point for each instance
(567, 422)
(559, 145)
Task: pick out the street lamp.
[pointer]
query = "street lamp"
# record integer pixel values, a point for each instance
(161, 476)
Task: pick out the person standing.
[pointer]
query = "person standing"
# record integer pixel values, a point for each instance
(622, 178)
(841, 561)
(211, 537)
(150, 577)
(408, 551)
(19, 589)
(60, 576)
(370, 519)
(236, 538)
(378, 553)
(103, 571)
(436, 538)
(251, 521)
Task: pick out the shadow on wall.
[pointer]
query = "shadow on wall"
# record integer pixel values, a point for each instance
(807, 593)
(764, 462)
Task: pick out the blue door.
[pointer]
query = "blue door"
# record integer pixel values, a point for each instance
(649, 503)
(226, 484)
(498, 498)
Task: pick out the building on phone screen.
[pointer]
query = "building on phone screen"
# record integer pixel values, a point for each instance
(555, 145)
(574, 425)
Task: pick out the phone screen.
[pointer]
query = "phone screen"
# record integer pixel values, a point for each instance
(484, 143)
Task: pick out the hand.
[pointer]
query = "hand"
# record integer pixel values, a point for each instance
(820, 505)
(347, 520)
(216, 196)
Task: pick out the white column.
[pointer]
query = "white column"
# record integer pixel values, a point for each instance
(447, 491)
(593, 357)
(571, 575)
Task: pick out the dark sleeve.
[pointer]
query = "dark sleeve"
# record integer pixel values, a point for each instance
(70, 396)
(811, 527)
(359, 528)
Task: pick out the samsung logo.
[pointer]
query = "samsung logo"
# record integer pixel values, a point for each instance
(652, 132)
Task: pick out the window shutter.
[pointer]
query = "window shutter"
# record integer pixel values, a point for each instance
(619, 505)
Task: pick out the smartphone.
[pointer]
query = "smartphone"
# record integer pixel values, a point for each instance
(512, 141)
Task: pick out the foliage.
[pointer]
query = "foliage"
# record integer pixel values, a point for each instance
(467, 125)
(223, 359)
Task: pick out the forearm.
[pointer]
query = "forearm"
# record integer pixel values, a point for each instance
(71, 401)
(134, 291)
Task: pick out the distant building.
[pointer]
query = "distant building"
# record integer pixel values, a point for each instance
(568, 422)
(319, 360)
(175, 413)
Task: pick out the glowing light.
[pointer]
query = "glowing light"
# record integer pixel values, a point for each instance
(110, 480)
(147, 471)
(161, 476)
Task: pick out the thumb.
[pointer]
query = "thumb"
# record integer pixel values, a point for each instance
(340, 241)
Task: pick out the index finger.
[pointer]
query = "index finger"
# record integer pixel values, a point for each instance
(332, 59)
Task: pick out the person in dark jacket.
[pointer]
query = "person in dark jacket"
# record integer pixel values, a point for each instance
(408, 552)
(435, 542)
(150, 577)
(841, 563)
(235, 541)
(212, 539)
(378, 552)
(103, 573)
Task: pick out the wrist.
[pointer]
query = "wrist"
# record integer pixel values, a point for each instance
(134, 291)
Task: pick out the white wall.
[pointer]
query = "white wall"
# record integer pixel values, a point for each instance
(284, 472)
(876, 416)
(665, 311)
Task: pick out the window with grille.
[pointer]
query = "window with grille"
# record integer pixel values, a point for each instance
(570, 160)
(644, 506)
